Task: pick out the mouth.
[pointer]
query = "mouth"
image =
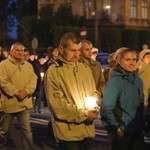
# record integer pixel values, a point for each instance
(131, 68)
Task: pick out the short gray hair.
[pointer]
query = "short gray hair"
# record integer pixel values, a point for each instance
(17, 43)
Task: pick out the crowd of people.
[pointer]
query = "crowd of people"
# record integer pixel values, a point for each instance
(70, 82)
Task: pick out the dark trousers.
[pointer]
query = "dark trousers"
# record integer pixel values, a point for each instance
(147, 122)
(86, 144)
(132, 142)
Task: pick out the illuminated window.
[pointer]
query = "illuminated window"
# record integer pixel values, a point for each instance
(107, 6)
(144, 9)
(133, 8)
(88, 9)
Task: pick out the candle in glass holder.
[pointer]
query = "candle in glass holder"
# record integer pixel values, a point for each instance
(90, 102)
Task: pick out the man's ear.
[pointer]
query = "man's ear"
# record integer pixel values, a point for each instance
(61, 49)
(10, 52)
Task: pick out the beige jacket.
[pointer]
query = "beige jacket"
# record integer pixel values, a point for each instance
(144, 73)
(96, 69)
(14, 77)
(66, 85)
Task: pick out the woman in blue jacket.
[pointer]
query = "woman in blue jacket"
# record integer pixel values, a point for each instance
(122, 104)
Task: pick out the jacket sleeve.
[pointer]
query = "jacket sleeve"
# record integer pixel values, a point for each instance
(5, 83)
(102, 83)
(108, 105)
(31, 86)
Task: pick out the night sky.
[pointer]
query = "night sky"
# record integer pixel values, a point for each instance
(29, 7)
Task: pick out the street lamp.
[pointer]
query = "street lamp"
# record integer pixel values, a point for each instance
(107, 6)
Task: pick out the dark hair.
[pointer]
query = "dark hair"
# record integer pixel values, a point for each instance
(50, 49)
(68, 37)
(41, 56)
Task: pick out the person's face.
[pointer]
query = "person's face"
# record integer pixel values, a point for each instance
(42, 61)
(128, 61)
(26, 55)
(5, 53)
(32, 57)
(146, 58)
(55, 53)
(86, 50)
(72, 52)
(17, 52)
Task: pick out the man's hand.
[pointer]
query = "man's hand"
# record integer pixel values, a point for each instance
(22, 94)
(91, 114)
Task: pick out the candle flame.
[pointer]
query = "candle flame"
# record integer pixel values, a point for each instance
(42, 74)
(90, 102)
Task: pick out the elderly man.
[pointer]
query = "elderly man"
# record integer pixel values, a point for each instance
(17, 82)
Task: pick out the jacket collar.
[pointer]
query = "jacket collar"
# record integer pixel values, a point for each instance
(87, 61)
(130, 76)
(72, 64)
(15, 62)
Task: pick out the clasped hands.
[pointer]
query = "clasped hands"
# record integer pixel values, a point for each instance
(22, 94)
(91, 115)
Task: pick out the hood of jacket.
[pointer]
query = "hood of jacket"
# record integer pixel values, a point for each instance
(130, 76)
(62, 60)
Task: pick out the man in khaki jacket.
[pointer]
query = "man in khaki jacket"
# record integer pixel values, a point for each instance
(68, 83)
(17, 83)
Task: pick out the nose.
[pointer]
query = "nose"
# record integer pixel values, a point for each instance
(132, 62)
(77, 53)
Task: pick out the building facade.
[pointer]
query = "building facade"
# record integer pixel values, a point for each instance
(134, 14)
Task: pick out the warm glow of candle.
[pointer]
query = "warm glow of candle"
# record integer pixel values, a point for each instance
(42, 75)
(90, 102)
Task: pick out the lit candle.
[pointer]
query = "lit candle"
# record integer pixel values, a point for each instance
(90, 102)
(42, 75)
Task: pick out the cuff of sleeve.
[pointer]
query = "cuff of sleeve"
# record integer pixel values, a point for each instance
(86, 113)
(28, 94)
(16, 92)
(83, 114)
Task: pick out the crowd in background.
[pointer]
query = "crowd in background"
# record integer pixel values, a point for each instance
(123, 90)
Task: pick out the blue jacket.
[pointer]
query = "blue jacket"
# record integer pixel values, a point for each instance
(126, 90)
